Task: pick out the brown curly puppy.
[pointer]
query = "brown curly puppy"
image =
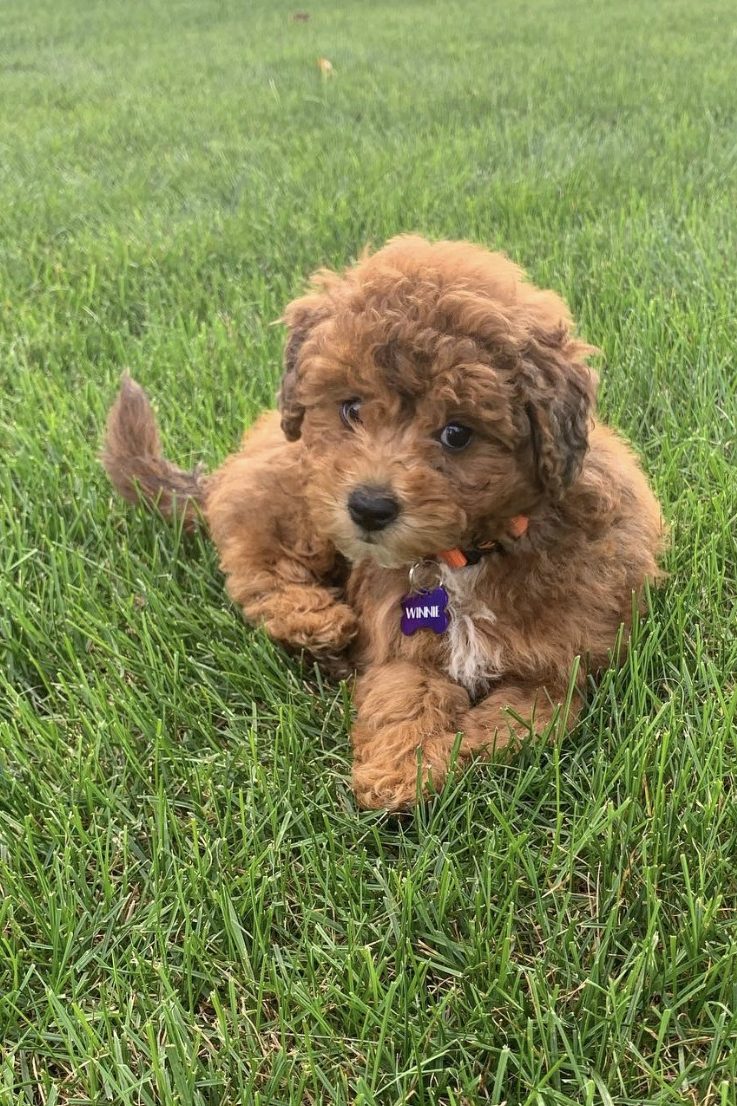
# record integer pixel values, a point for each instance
(437, 412)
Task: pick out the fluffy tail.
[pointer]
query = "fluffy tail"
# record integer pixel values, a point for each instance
(132, 459)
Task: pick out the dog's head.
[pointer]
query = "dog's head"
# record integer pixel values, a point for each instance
(438, 394)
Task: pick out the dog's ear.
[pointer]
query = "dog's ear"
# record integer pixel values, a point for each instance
(301, 317)
(559, 392)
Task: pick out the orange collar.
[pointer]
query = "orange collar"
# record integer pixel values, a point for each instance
(458, 558)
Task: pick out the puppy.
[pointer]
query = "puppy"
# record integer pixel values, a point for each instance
(434, 504)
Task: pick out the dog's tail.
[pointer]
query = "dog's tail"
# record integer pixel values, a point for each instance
(131, 456)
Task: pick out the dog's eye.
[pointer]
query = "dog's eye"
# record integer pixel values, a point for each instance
(350, 411)
(455, 436)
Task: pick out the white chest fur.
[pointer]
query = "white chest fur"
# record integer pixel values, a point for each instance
(474, 658)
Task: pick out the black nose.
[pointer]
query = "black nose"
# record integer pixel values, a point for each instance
(372, 508)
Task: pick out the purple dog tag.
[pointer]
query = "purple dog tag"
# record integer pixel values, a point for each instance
(425, 610)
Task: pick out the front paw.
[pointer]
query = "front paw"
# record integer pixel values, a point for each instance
(322, 631)
(396, 786)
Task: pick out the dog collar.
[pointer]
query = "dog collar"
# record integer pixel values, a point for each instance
(459, 558)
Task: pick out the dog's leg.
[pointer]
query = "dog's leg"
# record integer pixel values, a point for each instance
(514, 712)
(283, 575)
(407, 717)
(411, 722)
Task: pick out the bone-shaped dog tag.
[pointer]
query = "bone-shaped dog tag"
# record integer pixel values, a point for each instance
(425, 610)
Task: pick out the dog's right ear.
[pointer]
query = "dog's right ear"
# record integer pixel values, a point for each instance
(301, 317)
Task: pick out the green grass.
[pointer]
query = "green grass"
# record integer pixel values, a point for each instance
(192, 909)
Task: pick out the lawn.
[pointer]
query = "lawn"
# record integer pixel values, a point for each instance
(192, 910)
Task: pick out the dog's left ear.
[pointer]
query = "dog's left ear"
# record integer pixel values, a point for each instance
(301, 317)
(559, 392)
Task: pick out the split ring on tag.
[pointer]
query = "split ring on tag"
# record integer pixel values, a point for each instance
(424, 575)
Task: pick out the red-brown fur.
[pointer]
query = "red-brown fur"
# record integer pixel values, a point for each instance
(424, 334)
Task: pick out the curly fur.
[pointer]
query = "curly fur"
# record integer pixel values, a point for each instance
(424, 334)
(133, 460)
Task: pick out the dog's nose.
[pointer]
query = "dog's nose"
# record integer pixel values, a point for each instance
(372, 508)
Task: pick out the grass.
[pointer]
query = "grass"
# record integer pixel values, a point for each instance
(192, 909)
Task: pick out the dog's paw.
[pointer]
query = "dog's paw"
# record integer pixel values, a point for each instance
(396, 787)
(321, 630)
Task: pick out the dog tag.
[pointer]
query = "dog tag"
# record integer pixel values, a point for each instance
(425, 610)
